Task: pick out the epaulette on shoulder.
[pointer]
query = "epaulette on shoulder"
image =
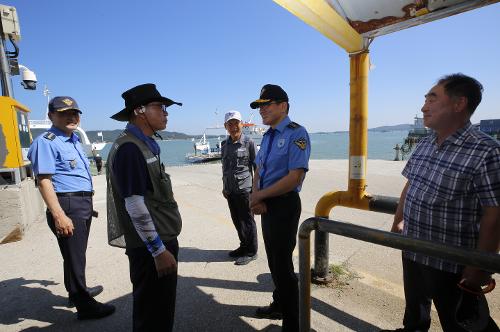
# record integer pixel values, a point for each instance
(293, 125)
(50, 136)
(223, 142)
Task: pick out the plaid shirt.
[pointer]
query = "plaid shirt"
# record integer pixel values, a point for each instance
(448, 185)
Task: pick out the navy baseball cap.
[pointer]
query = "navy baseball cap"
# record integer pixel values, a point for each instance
(269, 93)
(63, 103)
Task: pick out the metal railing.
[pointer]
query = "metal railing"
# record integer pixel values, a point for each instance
(377, 203)
(483, 260)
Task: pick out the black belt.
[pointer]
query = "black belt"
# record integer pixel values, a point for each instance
(76, 193)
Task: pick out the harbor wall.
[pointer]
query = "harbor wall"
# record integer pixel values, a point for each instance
(20, 206)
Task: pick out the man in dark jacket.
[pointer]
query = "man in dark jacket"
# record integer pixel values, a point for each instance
(238, 165)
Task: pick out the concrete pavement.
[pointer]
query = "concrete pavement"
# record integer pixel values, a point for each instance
(213, 294)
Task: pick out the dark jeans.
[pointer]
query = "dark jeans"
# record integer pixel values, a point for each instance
(154, 298)
(423, 284)
(279, 229)
(74, 248)
(243, 221)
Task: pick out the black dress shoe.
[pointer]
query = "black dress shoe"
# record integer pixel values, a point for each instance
(244, 260)
(93, 292)
(270, 312)
(94, 310)
(237, 252)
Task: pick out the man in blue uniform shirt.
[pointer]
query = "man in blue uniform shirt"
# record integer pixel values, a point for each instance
(143, 216)
(65, 183)
(238, 165)
(282, 162)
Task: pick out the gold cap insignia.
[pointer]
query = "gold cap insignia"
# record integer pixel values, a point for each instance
(67, 101)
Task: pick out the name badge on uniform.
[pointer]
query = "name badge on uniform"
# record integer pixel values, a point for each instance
(281, 142)
(72, 163)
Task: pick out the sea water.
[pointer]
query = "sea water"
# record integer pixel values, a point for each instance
(323, 146)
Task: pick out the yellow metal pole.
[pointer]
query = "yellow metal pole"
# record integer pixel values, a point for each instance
(358, 127)
(355, 196)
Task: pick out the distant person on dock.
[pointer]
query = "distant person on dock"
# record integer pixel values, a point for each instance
(452, 196)
(282, 163)
(98, 163)
(238, 166)
(143, 216)
(63, 174)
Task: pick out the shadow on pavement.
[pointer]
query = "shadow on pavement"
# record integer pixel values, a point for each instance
(198, 308)
(341, 317)
(195, 255)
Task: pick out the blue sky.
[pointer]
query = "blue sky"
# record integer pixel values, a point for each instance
(215, 56)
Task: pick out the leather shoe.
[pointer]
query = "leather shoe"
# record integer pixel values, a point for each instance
(93, 292)
(270, 312)
(237, 252)
(244, 260)
(94, 310)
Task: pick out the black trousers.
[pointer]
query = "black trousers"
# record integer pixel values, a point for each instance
(243, 221)
(423, 284)
(154, 298)
(279, 229)
(74, 248)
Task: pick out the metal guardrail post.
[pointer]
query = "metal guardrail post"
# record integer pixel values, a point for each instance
(485, 261)
(321, 256)
(305, 273)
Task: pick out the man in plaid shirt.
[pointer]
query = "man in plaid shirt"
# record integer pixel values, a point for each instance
(452, 196)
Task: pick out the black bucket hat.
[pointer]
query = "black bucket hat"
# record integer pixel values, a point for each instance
(138, 96)
(269, 93)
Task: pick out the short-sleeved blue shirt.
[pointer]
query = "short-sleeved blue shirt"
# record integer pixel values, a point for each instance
(54, 153)
(290, 149)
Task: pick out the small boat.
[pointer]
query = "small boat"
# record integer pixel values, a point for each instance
(252, 130)
(203, 152)
(415, 135)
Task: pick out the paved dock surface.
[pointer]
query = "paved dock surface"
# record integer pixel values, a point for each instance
(213, 294)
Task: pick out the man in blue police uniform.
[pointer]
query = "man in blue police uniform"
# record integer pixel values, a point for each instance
(238, 165)
(143, 216)
(65, 183)
(282, 163)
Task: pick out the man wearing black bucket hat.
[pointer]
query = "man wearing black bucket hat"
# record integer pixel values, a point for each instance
(282, 163)
(143, 216)
(65, 183)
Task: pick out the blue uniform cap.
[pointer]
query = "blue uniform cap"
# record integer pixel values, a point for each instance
(63, 103)
(269, 93)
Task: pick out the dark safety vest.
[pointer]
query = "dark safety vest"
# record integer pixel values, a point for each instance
(237, 164)
(160, 201)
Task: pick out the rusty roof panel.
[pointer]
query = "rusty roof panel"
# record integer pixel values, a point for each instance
(372, 18)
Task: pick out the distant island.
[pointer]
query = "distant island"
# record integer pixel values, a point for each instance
(399, 127)
(111, 135)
